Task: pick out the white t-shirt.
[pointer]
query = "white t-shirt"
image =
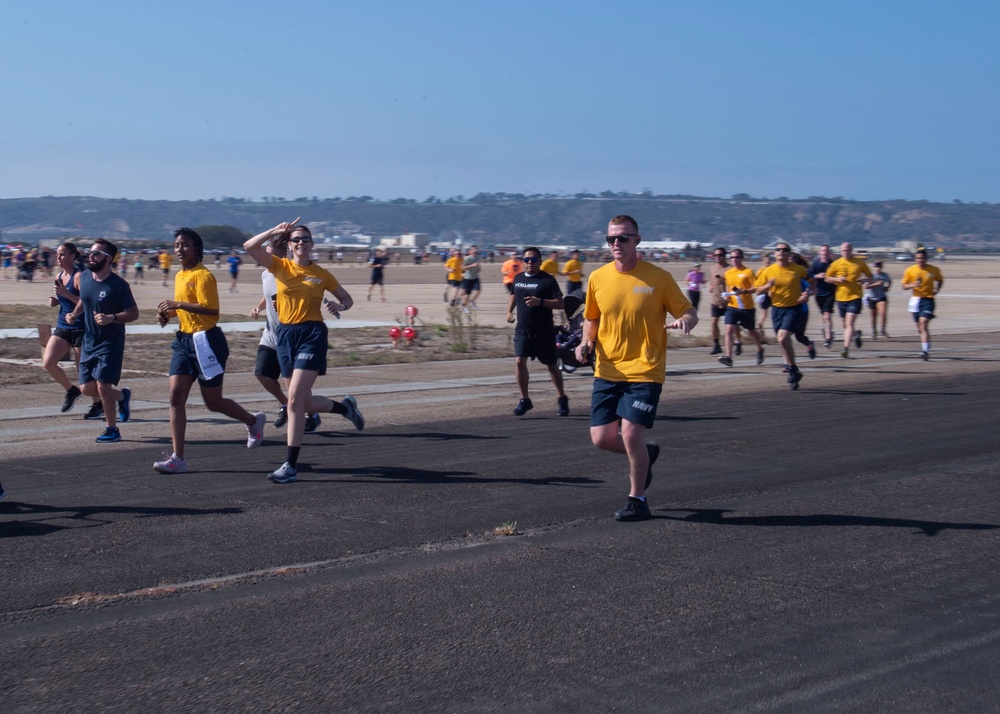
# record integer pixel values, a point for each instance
(269, 337)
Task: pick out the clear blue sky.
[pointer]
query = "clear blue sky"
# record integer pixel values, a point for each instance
(863, 99)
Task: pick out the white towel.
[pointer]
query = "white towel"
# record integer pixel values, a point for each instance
(914, 304)
(208, 363)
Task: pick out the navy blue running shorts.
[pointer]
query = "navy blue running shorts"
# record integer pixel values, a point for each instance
(741, 317)
(849, 306)
(633, 401)
(302, 346)
(788, 318)
(184, 361)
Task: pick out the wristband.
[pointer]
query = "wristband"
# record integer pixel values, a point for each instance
(114, 317)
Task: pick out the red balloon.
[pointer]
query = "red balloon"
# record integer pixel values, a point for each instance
(395, 332)
(409, 333)
(411, 311)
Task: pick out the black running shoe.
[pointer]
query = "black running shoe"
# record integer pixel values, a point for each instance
(124, 410)
(716, 350)
(925, 356)
(524, 405)
(654, 453)
(857, 339)
(563, 403)
(282, 417)
(739, 348)
(760, 356)
(72, 394)
(794, 377)
(634, 510)
(728, 361)
(811, 350)
(96, 411)
(312, 423)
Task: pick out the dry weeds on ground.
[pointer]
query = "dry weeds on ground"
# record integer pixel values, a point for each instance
(149, 355)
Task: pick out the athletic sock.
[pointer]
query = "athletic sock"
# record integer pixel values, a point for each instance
(338, 408)
(926, 346)
(292, 455)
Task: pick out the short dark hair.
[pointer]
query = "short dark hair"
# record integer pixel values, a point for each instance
(921, 251)
(109, 247)
(533, 249)
(737, 250)
(192, 235)
(624, 218)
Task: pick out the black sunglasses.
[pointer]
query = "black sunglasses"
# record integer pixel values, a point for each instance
(303, 239)
(782, 250)
(531, 259)
(623, 238)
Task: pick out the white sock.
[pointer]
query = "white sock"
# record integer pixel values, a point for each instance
(926, 346)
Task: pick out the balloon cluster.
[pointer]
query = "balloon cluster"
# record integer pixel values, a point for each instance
(408, 333)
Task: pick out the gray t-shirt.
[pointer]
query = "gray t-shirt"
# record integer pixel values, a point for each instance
(877, 292)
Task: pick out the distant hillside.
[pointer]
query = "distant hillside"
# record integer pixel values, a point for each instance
(519, 219)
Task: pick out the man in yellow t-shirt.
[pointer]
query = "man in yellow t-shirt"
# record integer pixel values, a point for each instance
(164, 260)
(789, 287)
(850, 275)
(551, 264)
(453, 269)
(739, 284)
(925, 281)
(625, 319)
(573, 272)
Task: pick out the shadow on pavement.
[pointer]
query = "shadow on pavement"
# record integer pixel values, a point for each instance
(84, 516)
(717, 516)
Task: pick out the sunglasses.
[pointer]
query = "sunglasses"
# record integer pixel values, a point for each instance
(782, 250)
(101, 252)
(531, 259)
(303, 239)
(623, 238)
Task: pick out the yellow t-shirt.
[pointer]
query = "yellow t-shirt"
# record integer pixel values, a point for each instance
(787, 279)
(165, 261)
(744, 280)
(550, 266)
(632, 308)
(455, 266)
(301, 290)
(196, 285)
(929, 276)
(852, 269)
(574, 271)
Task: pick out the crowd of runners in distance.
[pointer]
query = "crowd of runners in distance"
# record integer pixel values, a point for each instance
(629, 305)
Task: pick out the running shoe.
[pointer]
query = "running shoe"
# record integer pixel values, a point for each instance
(286, 473)
(828, 344)
(857, 339)
(2, 492)
(728, 361)
(874, 336)
(72, 394)
(794, 377)
(845, 353)
(174, 465)
(760, 356)
(124, 407)
(811, 350)
(925, 356)
(654, 453)
(739, 348)
(563, 403)
(354, 414)
(109, 434)
(255, 433)
(368, 297)
(634, 510)
(282, 417)
(885, 334)
(716, 350)
(523, 405)
(96, 411)
(312, 423)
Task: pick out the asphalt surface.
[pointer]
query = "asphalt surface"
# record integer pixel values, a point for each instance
(830, 549)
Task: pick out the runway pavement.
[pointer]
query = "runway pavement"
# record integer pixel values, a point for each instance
(831, 549)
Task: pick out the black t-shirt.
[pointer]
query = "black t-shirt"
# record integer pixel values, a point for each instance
(823, 288)
(535, 320)
(377, 264)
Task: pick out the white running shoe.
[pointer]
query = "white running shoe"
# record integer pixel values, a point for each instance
(255, 433)
(174, 465)
(285, 474)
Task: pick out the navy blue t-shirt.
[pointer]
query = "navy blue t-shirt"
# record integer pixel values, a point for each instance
(111, 295)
